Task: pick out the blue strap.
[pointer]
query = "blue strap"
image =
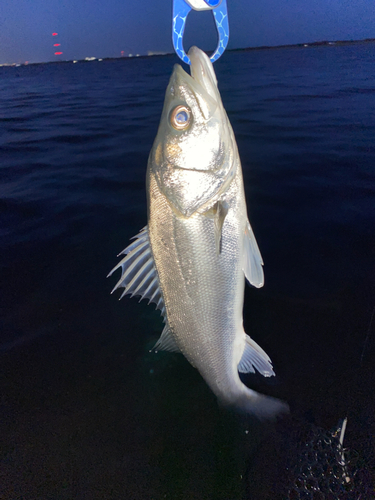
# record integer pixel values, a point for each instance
(181, 10)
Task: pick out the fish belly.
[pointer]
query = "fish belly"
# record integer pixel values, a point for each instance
(202, 289)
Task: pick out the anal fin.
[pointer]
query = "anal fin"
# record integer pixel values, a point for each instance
(255, 358)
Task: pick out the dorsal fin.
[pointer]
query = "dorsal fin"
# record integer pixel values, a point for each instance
(138, 272)
(166, 341)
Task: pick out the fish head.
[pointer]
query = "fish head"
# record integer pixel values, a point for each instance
(193, 154)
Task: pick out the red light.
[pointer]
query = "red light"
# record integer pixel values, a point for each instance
(56, 44)
(58, 53)
(54, 34)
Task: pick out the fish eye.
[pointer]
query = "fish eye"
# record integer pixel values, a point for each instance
(180, 117)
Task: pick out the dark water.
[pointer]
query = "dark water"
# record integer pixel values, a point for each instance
(87, 411)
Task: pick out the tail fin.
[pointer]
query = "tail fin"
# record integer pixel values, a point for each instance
(259, 405)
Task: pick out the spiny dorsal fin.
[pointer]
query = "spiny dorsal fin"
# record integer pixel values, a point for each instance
(254, 357)
(138, 272)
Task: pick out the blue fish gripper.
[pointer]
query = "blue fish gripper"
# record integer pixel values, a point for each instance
(181, 9)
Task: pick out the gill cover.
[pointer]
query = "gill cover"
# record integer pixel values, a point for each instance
(192, 156)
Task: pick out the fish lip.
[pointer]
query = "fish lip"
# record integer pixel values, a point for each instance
(202, 71)
(202, 78)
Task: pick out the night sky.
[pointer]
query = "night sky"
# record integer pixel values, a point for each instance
(104, 28)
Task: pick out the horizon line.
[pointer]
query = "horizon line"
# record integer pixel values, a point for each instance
(163, 54)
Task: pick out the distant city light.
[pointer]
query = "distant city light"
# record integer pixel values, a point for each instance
(54, 34)
(56, 44)
(58, 53)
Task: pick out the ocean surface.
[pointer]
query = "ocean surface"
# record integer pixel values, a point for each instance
(86, 411)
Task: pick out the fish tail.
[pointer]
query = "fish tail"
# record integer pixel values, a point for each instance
(259, 405)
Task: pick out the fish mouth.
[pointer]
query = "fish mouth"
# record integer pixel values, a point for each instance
(202, 78)
(202, 71)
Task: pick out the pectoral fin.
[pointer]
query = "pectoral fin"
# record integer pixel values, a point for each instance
(252, 259)
(254, 357)
(220, 214)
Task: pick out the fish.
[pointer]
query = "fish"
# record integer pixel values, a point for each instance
(198, 247)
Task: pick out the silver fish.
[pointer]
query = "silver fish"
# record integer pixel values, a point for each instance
(192, 258)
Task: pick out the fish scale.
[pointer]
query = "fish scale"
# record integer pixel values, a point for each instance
(204, 310)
